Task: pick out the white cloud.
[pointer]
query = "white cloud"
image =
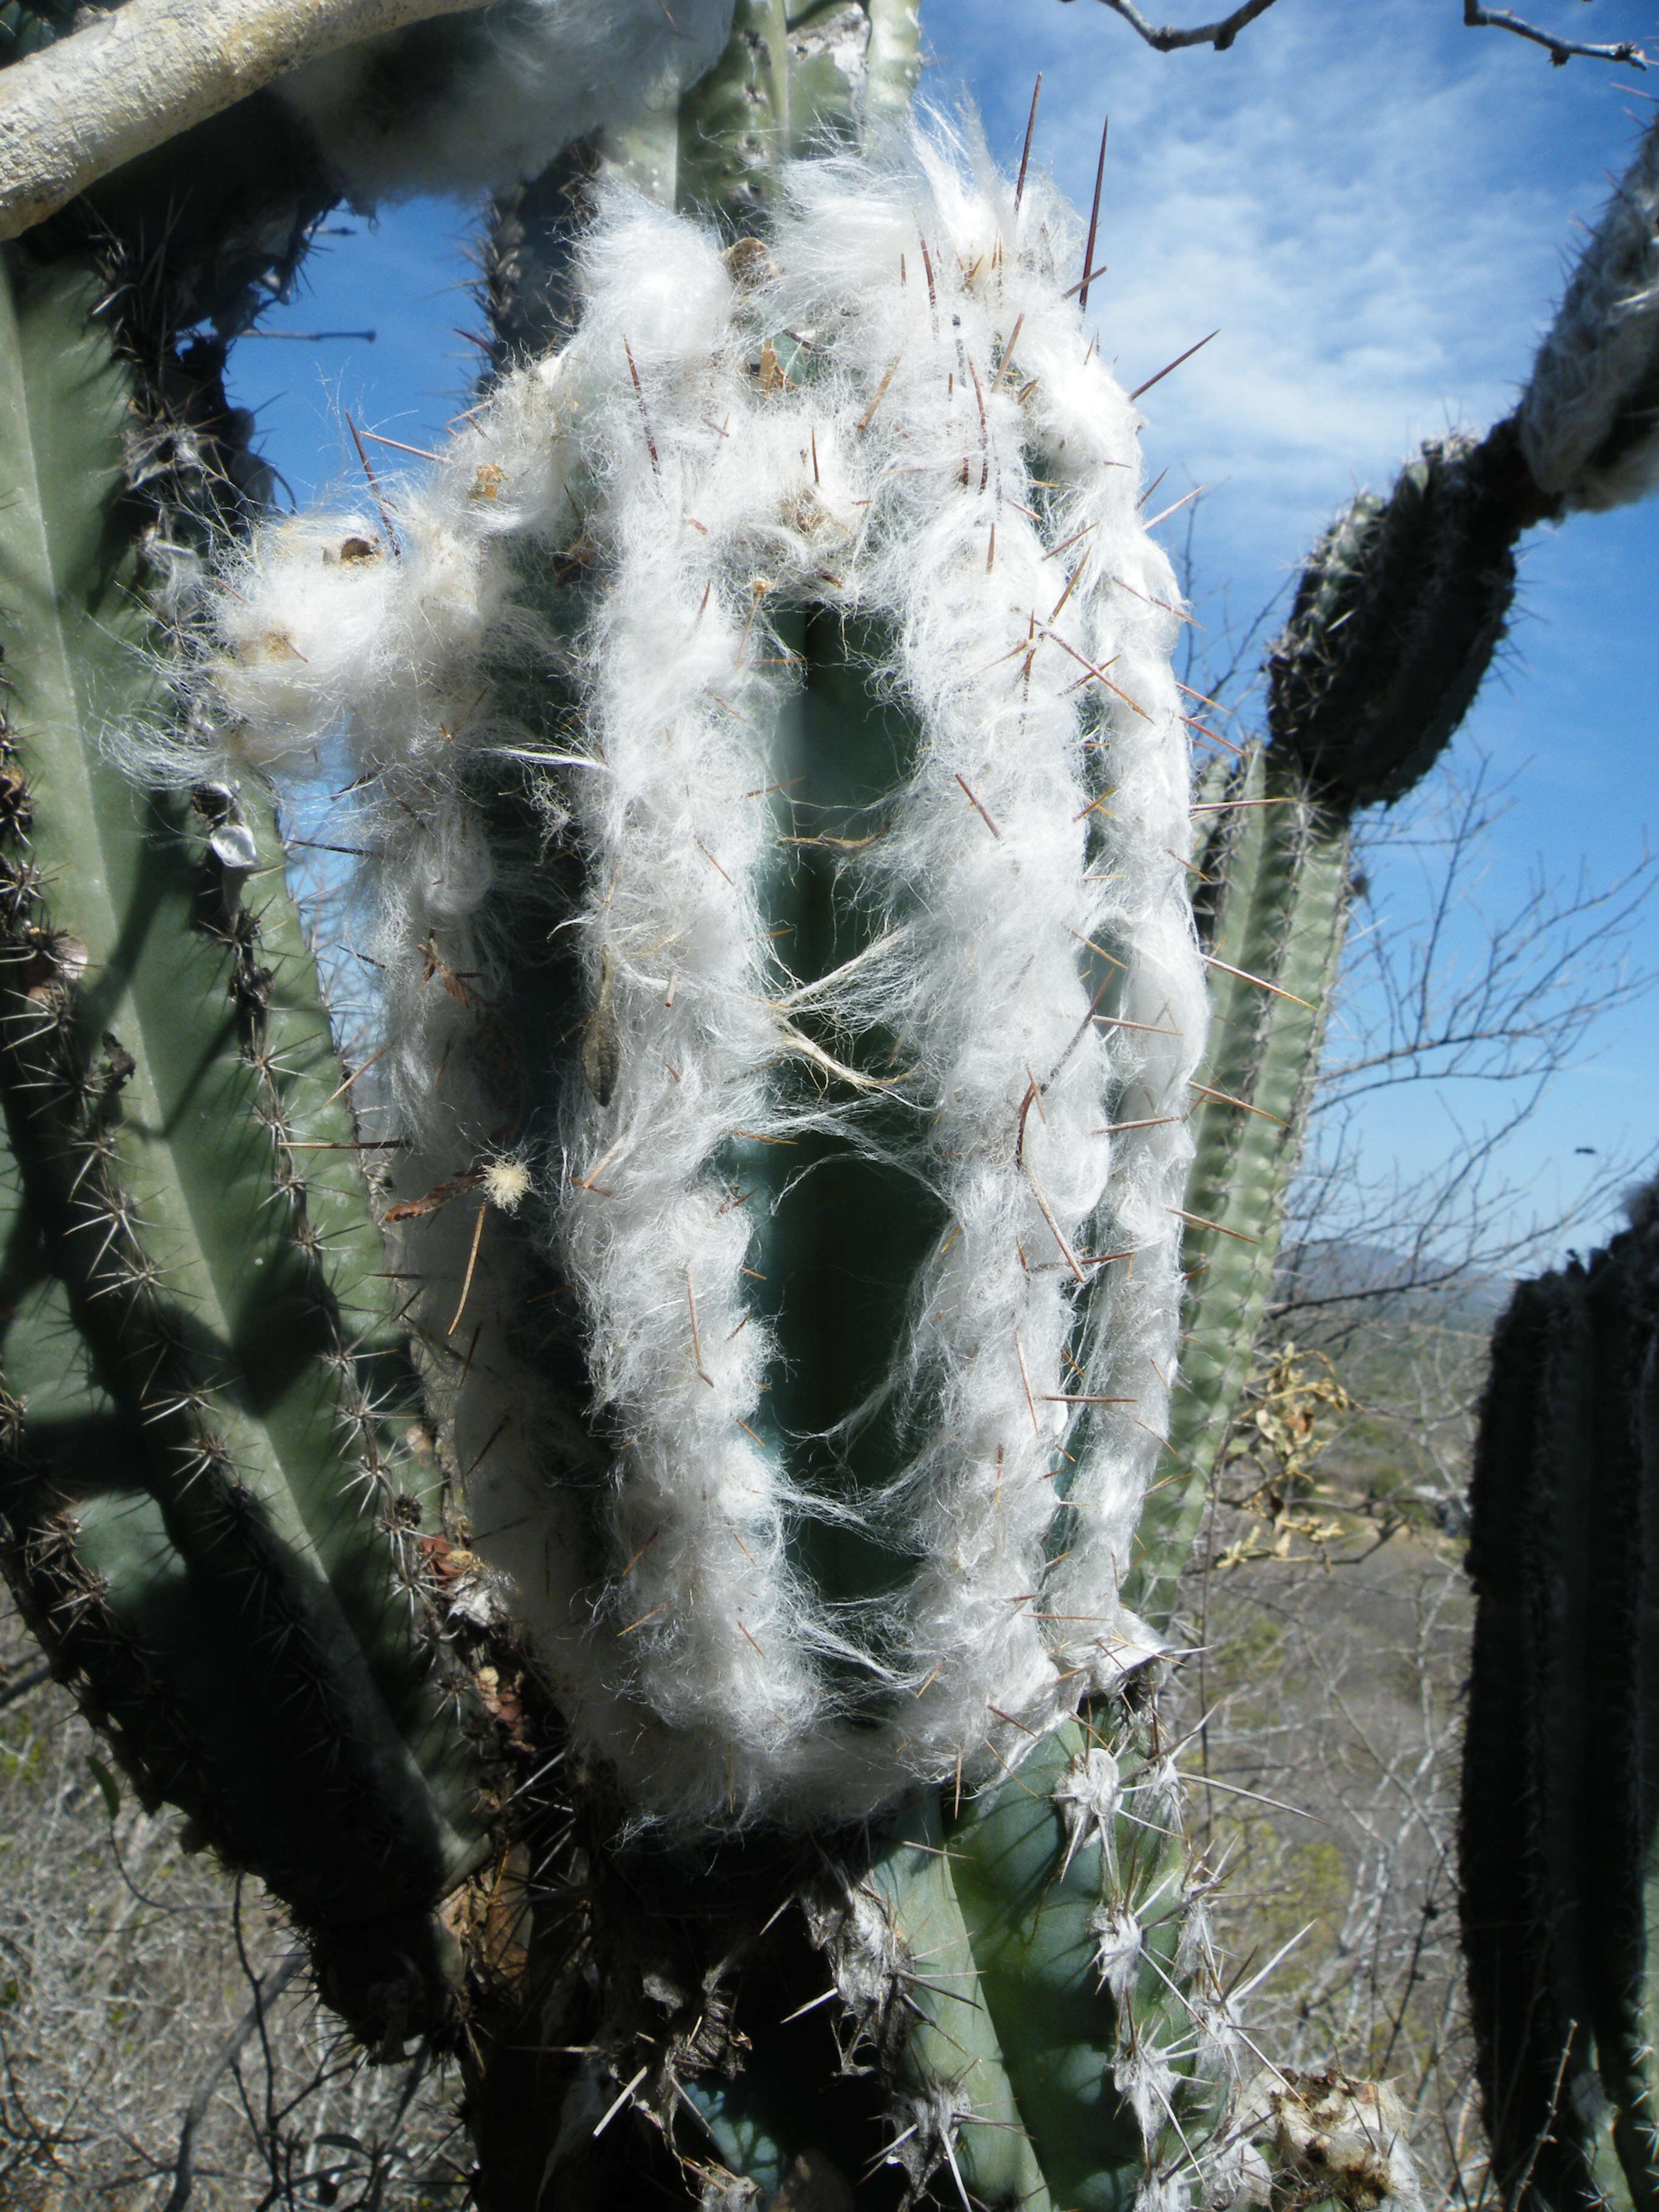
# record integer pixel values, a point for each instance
(1376, 207)
(1371, 204)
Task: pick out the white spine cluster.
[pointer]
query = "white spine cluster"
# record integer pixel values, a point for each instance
(1129, 1867)
(894, 411)
(491, 99)
(1590, 418)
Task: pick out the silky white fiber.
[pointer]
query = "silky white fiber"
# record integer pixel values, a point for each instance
(889, 408)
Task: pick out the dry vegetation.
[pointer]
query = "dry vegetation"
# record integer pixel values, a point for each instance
(138, 1983)
(1322, 1705)
(1331, 1617)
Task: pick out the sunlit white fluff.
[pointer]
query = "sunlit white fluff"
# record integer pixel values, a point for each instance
(954, 460)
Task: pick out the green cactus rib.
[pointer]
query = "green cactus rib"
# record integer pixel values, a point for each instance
(732, 132)
(1033, 1923)
(857, 1228)
(967, 1956)
(199, 1339)
(783, 86)
(1395, 620)
(1273, 912)
(1560, 1799)
(780, 89)
(820, 1206)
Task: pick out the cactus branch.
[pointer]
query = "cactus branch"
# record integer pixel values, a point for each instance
(1398, 613)
(198, 1344)
(1272, 914)
(133, 78)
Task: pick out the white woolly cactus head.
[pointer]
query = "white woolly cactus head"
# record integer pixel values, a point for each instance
(762, 725)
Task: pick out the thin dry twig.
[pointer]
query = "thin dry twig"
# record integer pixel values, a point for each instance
(1560, 50)
(119, 1950)
(1220, 35)
(266, 1990)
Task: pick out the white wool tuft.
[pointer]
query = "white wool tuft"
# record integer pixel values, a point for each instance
(1590, 418)
(904, 419)
(489, 100)
(1117, 1936)
(1090, 1796)
(1147, 2082)
(1168, 2192)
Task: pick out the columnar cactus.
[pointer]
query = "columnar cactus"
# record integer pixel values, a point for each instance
(1394, 625)
(201, 1360)
(786, 1671)
(759, 729)
(214, 1439)
(802, 970)
(1559, 1796)
(763, 728)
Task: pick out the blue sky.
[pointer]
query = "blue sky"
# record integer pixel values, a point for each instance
(1375, 205)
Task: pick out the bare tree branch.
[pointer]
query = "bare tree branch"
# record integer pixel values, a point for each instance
(1219, 35)
(20, 1685)
(133, 79)
(1560, 50)
(1471, 1005)
(266, 1991)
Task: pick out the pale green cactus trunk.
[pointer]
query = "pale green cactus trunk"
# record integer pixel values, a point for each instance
(1396, 621)
(1008, 1961)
